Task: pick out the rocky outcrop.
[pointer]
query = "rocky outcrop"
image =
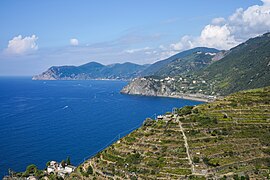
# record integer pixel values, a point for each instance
(147, 87)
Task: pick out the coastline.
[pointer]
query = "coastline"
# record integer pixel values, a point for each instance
(184, 96)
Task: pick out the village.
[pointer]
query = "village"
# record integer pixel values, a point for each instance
(53, 170)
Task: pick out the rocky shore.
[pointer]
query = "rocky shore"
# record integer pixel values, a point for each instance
(146, 87)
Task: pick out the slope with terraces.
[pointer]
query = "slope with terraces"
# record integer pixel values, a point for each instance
(223, 139)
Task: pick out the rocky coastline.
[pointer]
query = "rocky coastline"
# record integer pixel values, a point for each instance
(147, 87)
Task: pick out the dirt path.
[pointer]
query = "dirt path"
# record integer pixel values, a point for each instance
(187, 147)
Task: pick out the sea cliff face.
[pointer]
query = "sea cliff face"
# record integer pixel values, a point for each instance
(48, 75)
(147, 87)
(183, 88)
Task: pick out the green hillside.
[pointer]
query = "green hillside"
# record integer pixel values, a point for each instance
(228, 138)
(179, 63)
(190, 63)
(246, 66)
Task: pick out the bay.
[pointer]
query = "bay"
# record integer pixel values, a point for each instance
(50, 120)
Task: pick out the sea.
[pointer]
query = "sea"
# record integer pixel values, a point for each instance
(50, 120)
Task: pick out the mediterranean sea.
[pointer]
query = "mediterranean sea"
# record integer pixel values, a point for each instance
(50, 120)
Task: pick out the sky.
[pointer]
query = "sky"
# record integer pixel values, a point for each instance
(37, 34)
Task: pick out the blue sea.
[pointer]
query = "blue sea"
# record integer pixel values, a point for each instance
(50, 120)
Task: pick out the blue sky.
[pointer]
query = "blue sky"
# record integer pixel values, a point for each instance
(36, 34)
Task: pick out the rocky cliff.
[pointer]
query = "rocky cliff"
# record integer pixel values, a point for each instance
(148, 87)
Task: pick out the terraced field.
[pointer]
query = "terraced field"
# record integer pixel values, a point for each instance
(225, 139)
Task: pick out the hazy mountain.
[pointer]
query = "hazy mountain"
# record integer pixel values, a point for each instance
(92, 70)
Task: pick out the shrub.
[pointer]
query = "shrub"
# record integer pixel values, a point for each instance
(196, 159)
(134, 158)
(185, 110)
(148, 122)
(89, 170)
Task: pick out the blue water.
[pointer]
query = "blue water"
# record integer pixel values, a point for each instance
(50, 120)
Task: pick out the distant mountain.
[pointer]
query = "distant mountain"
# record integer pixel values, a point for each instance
(92, 70)
(185, 61)
(246, 66)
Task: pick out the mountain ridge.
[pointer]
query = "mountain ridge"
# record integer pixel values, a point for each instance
(92, 70)
(243, 67)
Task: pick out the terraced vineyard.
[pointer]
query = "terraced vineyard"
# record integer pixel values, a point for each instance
(229, 138)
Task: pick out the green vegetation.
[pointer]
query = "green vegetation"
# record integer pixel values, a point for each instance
(245, 67)
(228, 138)
(92, 70)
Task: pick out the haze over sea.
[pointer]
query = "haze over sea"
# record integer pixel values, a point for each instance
(50, 120)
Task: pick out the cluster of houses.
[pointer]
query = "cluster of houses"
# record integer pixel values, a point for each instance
(59, 169)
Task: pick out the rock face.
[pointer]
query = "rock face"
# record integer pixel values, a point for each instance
(146, 87)
(48, 75)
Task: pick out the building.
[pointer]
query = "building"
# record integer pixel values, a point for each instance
(69, 169)
(57, 168)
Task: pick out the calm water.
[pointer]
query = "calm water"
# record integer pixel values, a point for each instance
(50, 120)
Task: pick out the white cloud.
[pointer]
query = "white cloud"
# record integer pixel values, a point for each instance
(218, 21)
(226, 33)
(19, 45)
(186, 42)
(217, 36)
(74, 42)
(131, 51)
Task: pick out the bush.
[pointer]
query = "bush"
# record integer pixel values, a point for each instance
(185, 110)
(133, 158)
(31, 169)
(148, 122)
(196, 159)
(89, 170)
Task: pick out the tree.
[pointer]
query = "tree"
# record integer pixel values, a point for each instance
(68, 160)
(31, 169)
(90, 170)
(63, 163)
(48, 163)
(196, 159)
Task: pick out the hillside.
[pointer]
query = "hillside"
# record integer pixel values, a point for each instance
(92, 70)
(246, 66)
(223, 139)
(176, 64)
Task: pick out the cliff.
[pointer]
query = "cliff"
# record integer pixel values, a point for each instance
(148, 87)
(177, 87)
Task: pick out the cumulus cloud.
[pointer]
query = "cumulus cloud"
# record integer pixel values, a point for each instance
(218, 21)
(74, 42)
(226, 33)
(19, 45)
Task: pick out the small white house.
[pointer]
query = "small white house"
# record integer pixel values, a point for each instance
(31, 178)
(53, 163)
(50, 169)
(69, 169)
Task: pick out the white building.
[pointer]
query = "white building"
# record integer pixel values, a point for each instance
(69, 169)
(57, 168)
